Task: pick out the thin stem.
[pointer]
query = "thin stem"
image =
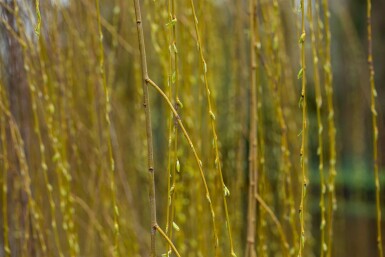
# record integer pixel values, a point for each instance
(43, 165)
(147, 81)
(250, 243)
(184, 131)
(276, 222)
(374, 124)
(173, 83)
(213, 128)
(5, 167)
(318, 96)
(108, 122)
(163, 234)
(146, 105)
(332, 204)
(109, 28)
(303, 152)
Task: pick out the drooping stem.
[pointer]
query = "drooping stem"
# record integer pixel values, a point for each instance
(184, 132)
(173, 84)
(42, 149)
(108, 134)
(303, 151)
(251, 213)
(146, 82)
(373, 95)
(4, 176)
(203, 65)
(318, 99)
(163, 234)
(146, 105)
(331, 126)
(276, 222)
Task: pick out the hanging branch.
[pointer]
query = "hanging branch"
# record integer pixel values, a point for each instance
(373, 95)
(250, 244)
(146, 82)
(318, 96)
(214, 131)
(331, 127)
(146, 105)
(303, 152)
(173, 127)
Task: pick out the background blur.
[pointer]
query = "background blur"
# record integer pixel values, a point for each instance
(57, 196)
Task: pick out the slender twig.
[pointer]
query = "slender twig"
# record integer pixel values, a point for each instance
(110, 28)
(320, 127)
(108, 123)
(147, 81)
(184, 131)
(5, 167)
(331, 126)
(204, 69)
(375, 126)
(303, 151)
(146, 105)
(251, 213)
(173, 84)
(276, 222)
(163, 234)
(37, 130)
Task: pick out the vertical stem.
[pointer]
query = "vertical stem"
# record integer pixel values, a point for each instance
(331, 126)
(373, 96)
(303, 152)
(108, 134)
(146, 105)
(173, 83)
(250, 246)
(239, 109)
(5, 167)
(42, 150)
(198, 161)
(215, 137)
(318, 96)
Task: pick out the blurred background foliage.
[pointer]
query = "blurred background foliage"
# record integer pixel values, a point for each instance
(62, 194)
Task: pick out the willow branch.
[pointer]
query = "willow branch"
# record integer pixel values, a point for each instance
(276, 222)
(251, 212)
(184, 131)
(163, 234)
(332, 203)
(303, 152)
(375, 127)
(146, 105)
